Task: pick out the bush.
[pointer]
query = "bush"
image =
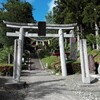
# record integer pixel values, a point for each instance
(76, 67)
(6, 69)
(73, 67)
(4, 54)
(96, 55)
(54, 64)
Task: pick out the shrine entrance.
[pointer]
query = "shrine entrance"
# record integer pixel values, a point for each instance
(18, 43)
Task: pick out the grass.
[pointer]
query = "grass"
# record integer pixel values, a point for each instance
(49, 60)
(2, 64)
(74, 65)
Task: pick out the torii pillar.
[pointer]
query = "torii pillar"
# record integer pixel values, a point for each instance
(18, 51)
(62, 53)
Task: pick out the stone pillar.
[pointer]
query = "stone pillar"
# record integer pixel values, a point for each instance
(21, 37)
(62, 53)
(84, 61)
(73, 48)
(15, 59)
(19, 60)
(19, 53)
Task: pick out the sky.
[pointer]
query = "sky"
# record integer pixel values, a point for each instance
(40, 8)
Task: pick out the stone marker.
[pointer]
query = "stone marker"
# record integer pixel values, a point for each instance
(92, 67)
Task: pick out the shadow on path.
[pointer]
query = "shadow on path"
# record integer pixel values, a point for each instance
(41, 89)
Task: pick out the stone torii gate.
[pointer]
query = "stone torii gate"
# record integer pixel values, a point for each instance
(18, 46)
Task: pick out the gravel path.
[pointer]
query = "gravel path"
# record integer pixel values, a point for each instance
(43, 85)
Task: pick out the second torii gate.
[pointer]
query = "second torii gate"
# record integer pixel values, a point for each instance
(18, 50)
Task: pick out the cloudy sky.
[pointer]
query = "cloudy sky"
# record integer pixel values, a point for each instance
(41, 8)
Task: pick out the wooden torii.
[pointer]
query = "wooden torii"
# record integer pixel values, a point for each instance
(18, 46)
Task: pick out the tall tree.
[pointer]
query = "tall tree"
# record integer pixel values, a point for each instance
(49, 18)
(14, 11)
(77, 11)
(18, 11)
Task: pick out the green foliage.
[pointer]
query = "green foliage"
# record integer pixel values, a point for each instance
(49, 18)
(76, 67)
(44, 52)
(17, 11)
(96, 55)
(54, 44)
(14, 11)
(83, 12)
(94, 52)
(6, 69)
(72, 66)
(89, 13)
(68, 11)
(49, 60)
(4, 54)
(91, 39)
(98, 40)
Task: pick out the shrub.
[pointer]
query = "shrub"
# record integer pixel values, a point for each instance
(73, 67)
(4, 54)
(96, 55)
(6, 69)
(76, 67)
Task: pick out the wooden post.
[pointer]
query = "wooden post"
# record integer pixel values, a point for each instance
(62, 53)
(84, 61)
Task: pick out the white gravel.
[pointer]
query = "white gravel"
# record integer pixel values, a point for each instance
(43, 85)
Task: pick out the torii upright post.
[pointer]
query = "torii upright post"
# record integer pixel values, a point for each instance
(18, 65)
(21, 36)
(62, 53)
(15, 59)
(19, 60)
